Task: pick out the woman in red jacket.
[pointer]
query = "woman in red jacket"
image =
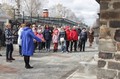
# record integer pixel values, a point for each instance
(74, 39)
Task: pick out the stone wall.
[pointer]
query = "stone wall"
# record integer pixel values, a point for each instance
(109, 41)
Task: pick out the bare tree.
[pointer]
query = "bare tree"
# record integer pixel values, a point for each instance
(32, 7)
(61, 11)
(8, 9)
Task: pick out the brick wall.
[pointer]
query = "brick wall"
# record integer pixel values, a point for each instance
(109, 41)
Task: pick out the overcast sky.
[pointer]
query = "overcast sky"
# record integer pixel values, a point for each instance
(85, 8)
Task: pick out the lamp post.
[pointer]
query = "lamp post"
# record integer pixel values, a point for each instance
(38, 17)
(23, 17)
(31, 16)
(14, 13)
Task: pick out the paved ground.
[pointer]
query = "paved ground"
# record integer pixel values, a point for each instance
(76, 65)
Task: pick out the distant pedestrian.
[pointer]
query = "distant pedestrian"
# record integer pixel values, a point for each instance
(28, 44)
(62, 39)
(90, 37)
(9, 42)
(40, 35)
(55, 37)
(34, 29)
(19, 37)
(74, 39)
(0, 40)
(47, 33)
(83, 39)
(68, 37)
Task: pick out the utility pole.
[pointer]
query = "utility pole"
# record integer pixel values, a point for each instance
(18, 8)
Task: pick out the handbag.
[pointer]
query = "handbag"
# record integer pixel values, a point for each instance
(62, 39)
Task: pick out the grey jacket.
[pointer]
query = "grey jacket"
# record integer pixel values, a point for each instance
(9, 36)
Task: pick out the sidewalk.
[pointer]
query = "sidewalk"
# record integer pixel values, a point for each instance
(78, 75)
(49, 65)
(89, 68)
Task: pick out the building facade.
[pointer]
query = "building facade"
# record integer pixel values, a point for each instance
(109, 40)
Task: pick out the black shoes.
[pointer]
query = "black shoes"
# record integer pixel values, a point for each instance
(8, 60)
(12, 59)
(28, 67)
(0, 55)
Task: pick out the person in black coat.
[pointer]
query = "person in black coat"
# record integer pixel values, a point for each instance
(9, 42)
(0, 40)
(83, 39)
(47, 33)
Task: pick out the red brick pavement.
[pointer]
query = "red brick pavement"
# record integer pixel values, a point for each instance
(7, 69)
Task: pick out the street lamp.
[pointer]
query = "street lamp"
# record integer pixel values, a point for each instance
(31, 16)
(23, 17)
(14, 13)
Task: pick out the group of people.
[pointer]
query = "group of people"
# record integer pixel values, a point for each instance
(69, 38)
(31, 36)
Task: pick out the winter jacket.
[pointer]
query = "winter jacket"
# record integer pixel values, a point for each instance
(55, 38)
(55, 31)
(40, 35)
(19, 36)
(27, 41)
(47, 34)
(68, 35)
(9, 36)
(62, 34)
(83, 36)
(74, 35)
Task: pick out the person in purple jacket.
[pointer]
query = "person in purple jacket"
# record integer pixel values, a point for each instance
(28, 44)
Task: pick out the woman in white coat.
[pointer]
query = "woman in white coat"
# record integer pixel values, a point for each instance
(19, 37)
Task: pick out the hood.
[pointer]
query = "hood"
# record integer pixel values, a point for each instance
(26, 28)
(67, 27)
(73, 29)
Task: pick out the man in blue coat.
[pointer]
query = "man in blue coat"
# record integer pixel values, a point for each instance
(28, 44)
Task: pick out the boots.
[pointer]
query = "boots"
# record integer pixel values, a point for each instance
(0, 55)
(26, 60)
(8, 60)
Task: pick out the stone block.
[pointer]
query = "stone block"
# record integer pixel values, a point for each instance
(104, 32)
(117, 56)
(106, 74)
(101, 63)
(104, 5)
(119, 75)
(107, 45)
(114, 65)
(115, 24)
(103, 22)
(110, 15)
(116, 5)
(117, 36)
(105, 55)
(118, 46)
